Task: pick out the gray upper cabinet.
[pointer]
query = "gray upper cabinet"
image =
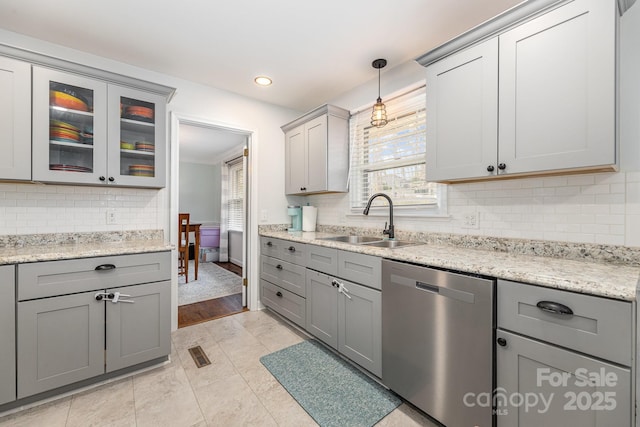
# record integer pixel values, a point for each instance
(541, 102)
(87, 131)
(7, 334)
(15, 123)
(462, 124)
(317, 152)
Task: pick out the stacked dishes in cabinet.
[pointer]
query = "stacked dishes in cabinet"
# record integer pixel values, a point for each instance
(70, 128)
(137, 138)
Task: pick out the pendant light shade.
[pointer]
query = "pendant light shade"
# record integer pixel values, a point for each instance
(379, 113)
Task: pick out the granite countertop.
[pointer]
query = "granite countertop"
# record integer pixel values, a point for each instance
(602, 279)
(53, 247)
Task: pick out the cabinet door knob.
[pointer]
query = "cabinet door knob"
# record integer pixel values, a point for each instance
(291, 249)
(279, 294)
(490, 168)
(269, 244)
(502, 342)
(303, 188)
(502, 166)
(279, 267)
(111, 179)
(335, 283)
(102, 178)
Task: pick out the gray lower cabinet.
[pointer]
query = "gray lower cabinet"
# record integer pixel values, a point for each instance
(93, 326)
(347, 317)
(555, 387)
(60, 341)
(562, 358)
(7, 334)
(140, 330)
(322, 308)
(282, 278)
(360, 326)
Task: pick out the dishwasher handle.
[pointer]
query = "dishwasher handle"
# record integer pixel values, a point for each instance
(427, 287)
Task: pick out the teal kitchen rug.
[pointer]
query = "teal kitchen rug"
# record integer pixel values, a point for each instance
(333, 392)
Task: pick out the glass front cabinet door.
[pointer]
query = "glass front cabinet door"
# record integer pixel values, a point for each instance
(86, 131)
(136, 137)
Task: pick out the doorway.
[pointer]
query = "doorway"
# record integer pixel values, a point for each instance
(212, 170)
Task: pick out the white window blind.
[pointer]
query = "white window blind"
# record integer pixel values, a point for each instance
(236, 195)
(391, 159)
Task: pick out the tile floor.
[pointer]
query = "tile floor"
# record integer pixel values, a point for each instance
(235, 390)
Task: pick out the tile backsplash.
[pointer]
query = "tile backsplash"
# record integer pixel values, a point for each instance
(601, 208)
(38, 208)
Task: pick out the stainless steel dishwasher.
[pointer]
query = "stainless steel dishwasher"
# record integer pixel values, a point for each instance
(437, 341)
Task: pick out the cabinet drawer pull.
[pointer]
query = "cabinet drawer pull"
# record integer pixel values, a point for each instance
(502, 166)
(269, 244)
(279, 267)
(554, 307)
(279, 294)
(102, 178)
(105, 267)
(291, 249)
(490, 168)
(502, 342)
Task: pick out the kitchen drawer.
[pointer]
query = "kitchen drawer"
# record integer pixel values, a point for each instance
(283, 249)
(51, 278)
(598, 326)
(322, 259)
(359, 268)
(286, 303)
(284, 274)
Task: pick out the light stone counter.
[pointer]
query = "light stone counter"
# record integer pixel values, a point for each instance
(588, 277)
(52, 247)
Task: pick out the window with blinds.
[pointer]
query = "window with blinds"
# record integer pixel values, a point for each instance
(392, 159)
(235, 216)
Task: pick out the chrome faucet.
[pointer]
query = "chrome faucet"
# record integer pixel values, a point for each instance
(387, 231)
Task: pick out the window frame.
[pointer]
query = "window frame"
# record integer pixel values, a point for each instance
(358, 123)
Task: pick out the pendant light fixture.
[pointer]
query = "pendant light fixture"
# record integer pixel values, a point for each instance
(379, 114)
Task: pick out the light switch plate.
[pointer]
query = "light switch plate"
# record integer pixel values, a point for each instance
(112, 217)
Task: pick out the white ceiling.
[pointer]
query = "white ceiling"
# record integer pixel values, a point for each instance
(208, 145)
(314, 51)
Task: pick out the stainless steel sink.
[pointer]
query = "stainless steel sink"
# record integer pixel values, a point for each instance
(369, 241)
(390, 243)
(354, 240)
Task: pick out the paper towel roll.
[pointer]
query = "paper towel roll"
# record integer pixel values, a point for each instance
(309, 215)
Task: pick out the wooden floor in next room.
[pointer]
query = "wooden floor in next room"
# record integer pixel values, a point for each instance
(199, 312)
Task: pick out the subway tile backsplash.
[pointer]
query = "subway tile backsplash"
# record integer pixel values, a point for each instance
(600, 208)
(39, 208)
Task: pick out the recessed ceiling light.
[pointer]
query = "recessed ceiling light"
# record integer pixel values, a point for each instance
(263, 81)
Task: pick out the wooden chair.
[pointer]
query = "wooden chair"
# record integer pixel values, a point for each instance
(183, 245)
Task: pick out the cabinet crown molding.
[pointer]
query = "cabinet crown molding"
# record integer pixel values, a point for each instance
(499, 24)
(40, 59)
(331, 110)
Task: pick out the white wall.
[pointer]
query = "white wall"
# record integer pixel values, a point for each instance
(200, 191)
(591, 208)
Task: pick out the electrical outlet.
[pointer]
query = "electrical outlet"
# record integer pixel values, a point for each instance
(112, 217)
(471, 220)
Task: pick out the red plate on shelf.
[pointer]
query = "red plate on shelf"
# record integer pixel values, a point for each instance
(69, 168)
